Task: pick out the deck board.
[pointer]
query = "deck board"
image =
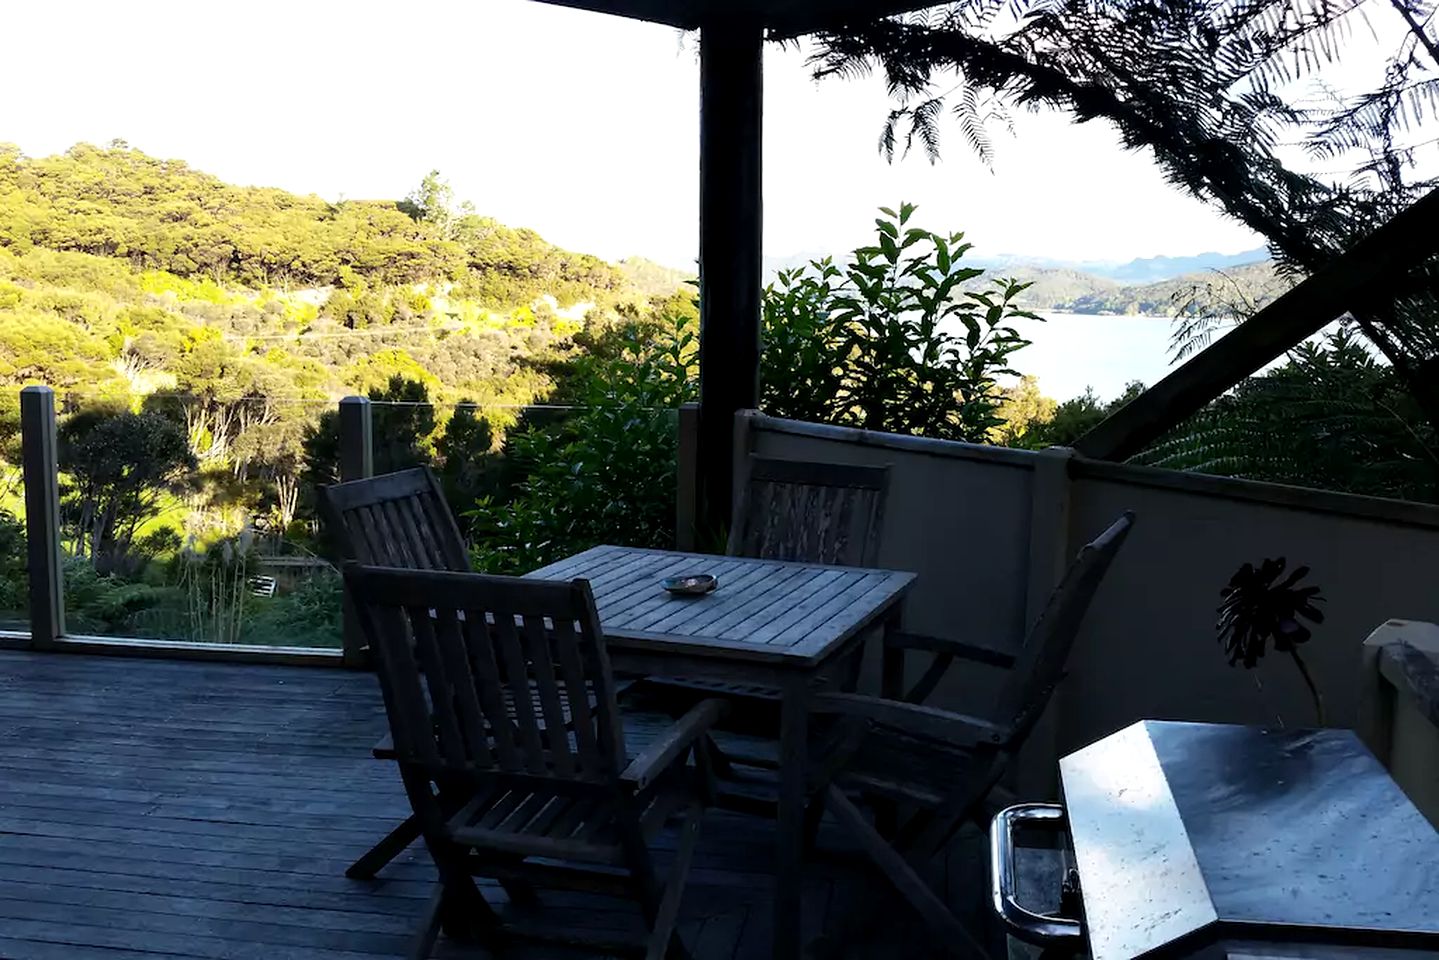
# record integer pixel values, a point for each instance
(153, 808)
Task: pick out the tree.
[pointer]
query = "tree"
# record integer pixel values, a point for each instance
(470, 466)
(1333, 417)
(893, 340)
(1209, 87)
(433, 202)
(606, 472)
(117, 468)
(1024, 412)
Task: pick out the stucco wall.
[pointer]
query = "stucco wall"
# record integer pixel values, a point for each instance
(1148, 648)
(963, 518)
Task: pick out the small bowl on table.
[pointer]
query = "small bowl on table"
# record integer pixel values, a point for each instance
(690, 585)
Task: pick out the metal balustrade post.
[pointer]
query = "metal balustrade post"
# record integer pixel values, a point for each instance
(42, 515)
(357, 462)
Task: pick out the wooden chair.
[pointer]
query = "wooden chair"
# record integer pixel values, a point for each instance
(794, 510)
(499, 782)
(808, 511)
(942, 764)
(394, 520)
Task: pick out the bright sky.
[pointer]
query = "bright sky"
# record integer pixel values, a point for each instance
(581, 126)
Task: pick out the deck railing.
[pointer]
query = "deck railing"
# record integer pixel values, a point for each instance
(45, 553)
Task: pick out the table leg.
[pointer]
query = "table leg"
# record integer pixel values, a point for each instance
(891, 683)
(891, 674)
(793, 746)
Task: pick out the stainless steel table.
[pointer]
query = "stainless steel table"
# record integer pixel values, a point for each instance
(772, 624)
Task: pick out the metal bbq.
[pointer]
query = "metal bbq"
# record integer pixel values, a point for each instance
(1218, 841)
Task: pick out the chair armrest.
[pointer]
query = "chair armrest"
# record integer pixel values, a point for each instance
(954, 728)
(975, 652)
(673, 743)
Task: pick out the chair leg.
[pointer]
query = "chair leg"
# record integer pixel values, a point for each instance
(664, 943)
(948, 933)
(429, 930)
(813, 815)
(390, 846)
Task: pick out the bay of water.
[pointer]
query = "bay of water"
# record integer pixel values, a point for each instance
(1071, 351)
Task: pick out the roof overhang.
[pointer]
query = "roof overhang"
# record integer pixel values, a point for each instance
(790, 17)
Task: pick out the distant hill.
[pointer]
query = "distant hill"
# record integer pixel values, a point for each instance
(1155, 269)
(1162, 286)
(1141, 270)
(1240, 289)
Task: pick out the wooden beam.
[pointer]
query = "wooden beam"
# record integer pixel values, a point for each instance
(731, 93)
(1350, 281)
(787, 17)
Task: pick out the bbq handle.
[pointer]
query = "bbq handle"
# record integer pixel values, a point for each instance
(1031, 927)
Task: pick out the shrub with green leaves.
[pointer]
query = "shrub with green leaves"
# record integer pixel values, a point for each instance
(607, 473)
(14, 568)
(897, 339)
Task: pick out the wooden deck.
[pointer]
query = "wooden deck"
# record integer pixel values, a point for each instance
(162, 808)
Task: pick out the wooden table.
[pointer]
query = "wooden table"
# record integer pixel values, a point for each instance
(772, 624)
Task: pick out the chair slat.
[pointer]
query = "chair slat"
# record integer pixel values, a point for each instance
(395, 520)
(503, 807)
(512, 665)
(465, 687)
(388, 632)
(577, 693)
(439, 682)
(413, 516)
(408, 547)
(484, 667)
(809, 512)
(547, 691)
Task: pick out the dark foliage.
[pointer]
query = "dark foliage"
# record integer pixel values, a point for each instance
(1258, 609)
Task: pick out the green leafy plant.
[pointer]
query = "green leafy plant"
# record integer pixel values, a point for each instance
(1259, 609)
(897, 339)
(1332, 417)
(14, 567)
(607, 473)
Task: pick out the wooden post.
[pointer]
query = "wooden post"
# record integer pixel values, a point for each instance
(357, 446)
(687, 476)
(1050, 553)
(731, 219)
(42, 515)
(357, 462)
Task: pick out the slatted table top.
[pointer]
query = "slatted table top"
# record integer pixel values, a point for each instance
(766, 610)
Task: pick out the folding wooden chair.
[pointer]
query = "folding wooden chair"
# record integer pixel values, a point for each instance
(942, 765)
(394, 520)
(808, 511)
(510, 744)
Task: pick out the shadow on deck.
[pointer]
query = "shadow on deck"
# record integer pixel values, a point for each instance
(163, 808)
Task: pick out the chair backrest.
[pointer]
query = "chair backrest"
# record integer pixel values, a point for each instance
(808, 511)
(1040, 665)
(394, 520)
(486, 675)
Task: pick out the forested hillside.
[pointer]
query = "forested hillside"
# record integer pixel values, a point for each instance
(199, 334)
(125, 276)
